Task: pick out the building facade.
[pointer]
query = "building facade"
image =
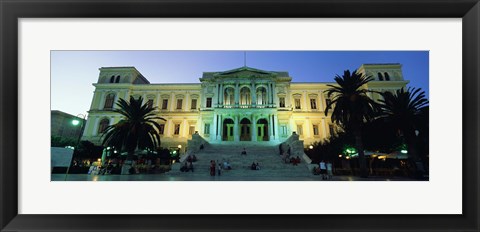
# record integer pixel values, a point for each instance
(62, 125)
(243, 104)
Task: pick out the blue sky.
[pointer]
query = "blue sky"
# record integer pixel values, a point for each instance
(74, 72)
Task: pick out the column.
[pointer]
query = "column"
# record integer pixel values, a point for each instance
(320, 102)
(237, 95)
(274, 94)
(186, 128)
(276, 126)
(270, 128)
(254, 128)
(236, 134)
(305, 106)
(172, 103)
(254, 94)
(186, 108)
(158, 101)
(87, 126)
(221, 94)
(307, 128)
(102, 101)
(324, 128)
(213, 128)
(220, 129)
(217, 89)
(95, 126)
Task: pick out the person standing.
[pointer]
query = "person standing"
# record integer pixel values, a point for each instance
(323, 169)
(212, 168)
(329, 170)
(219, 169)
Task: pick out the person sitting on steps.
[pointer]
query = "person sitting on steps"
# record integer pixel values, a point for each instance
(244, 152)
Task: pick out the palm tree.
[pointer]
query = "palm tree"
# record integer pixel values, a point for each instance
(352, 108)
(404, 109)
(137, 130)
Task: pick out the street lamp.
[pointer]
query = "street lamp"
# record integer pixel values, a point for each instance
(311, 147)
(75, 122)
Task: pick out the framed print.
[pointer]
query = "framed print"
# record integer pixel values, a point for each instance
(38, 36)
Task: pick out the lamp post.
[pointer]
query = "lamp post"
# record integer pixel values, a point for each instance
(75, 122)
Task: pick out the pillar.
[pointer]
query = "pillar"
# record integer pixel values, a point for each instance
(270, 128)
(221, 94)
(274, 94)
(237, 95)
(95, 126)
(254, 129)
(213, 127)
(172, 103)
(236, 131)
(220, 129)
(276, 126)
(324, 128)
(186, 108)
(305, 104)
(254, 94)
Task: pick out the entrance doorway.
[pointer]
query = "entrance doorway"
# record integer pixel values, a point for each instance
(228, 130)
(262, 130)
(245, 134)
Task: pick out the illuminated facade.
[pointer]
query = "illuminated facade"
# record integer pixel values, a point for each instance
(243, 104)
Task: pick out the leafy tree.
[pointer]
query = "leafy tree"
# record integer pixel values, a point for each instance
(57, 141)
(137, 130)
(352, 108)
(405, 109)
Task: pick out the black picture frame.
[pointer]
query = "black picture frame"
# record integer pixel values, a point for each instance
(11, 11)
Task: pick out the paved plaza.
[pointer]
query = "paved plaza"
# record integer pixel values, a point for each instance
(188, 177)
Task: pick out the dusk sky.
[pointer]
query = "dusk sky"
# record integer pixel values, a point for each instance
(74, 72)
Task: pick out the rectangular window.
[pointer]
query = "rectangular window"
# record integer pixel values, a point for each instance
(315, 130)
(179, 104)
(150, 103)
(332, 129)
(282, 102)
(164, 104)
(177, 129)
(162, 129)
(194, 104)
(206, 129)
(299, 130)
(297, 103)
(313, 104)
(209, 102)
(191, 130)
(284, 130)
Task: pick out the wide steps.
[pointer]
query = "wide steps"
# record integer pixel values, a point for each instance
(267, 156)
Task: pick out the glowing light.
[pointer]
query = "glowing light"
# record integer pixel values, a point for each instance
(180, 146)
(311, 147)
(404, 151)
(75, 122)
(348, 157)
(340, 156)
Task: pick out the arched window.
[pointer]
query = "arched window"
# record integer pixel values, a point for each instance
(261, 96)
(103, 125)
(118, 79)
(380, 77)
(112, 79)
(109, 101)
(245, 98)
(387, 77)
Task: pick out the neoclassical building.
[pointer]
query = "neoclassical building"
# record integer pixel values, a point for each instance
(243, 104)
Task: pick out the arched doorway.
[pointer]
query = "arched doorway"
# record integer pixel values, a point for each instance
(262, 130)
(245, 134)
(228, 129)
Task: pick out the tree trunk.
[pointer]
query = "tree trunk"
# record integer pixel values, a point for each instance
(361, 153)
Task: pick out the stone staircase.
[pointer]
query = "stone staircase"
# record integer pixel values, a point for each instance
(266, 154)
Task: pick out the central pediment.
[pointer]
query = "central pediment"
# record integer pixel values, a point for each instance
(245, 72)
